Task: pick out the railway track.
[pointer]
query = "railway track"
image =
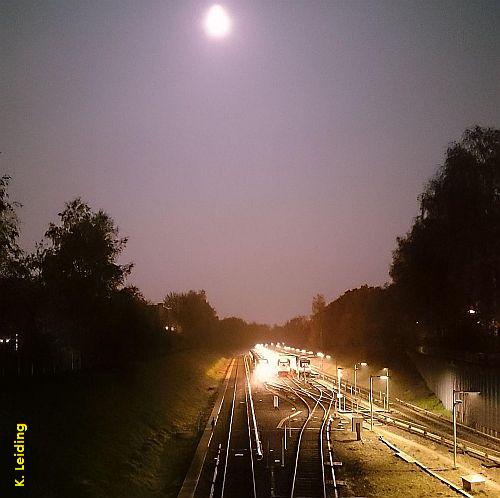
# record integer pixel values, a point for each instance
(309, 478)
(308, 475)
(325, 436)
(409, 412)
(437, 430)
(316, 395)
(229, 467)
(304, 468)
(421, 422)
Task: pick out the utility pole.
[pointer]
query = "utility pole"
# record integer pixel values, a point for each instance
(387, 389)
(371, 402)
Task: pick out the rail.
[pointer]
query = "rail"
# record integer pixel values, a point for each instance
(467, 447)
(229, 433)
(417, 409)
(472, 449)
(334, 480)
(443, 419)
(256, 430)
(327, 412)
(317, 401)
(247, 394)
(310, 412)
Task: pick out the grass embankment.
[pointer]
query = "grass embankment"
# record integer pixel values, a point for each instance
(115, 434)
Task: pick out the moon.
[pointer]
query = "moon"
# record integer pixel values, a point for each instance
(217, 22)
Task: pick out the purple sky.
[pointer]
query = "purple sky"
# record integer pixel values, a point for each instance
(277, 163)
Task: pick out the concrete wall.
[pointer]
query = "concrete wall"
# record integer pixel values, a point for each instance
(442, 375)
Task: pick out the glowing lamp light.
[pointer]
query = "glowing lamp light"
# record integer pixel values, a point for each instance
(217, 22)
(472, 311)
(264, 372)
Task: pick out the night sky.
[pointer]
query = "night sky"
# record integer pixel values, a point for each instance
(265, 167)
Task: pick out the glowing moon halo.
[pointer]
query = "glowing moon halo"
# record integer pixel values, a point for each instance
(217, 22)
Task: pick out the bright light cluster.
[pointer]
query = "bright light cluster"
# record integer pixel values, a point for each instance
(264, 372)
(267, 369)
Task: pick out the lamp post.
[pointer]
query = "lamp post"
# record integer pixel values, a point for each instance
(456, 402)
(321, 355)
(356, 365)
(339, 379)
(387, 389)
(371, 402)
(383, 377)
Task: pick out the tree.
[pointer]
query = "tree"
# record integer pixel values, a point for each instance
(234, 332)
(192, 315)
(15, 289)
(10, 253)
(449, 262)
(79, 273)
(83, 252)
(130, 327)
(298, 331)
(317, 318)
(318, 304)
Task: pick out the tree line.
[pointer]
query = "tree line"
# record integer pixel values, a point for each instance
(67, 306)
(445, 272)
(68, 301)
(445, 276)
(195, 322)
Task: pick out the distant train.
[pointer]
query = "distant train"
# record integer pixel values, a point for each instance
(282, 364)
(284, 368)
(304, 366)
(287, 365)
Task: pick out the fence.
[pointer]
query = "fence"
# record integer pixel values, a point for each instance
(15, 364)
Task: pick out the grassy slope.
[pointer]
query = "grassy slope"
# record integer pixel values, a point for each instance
(122, 434)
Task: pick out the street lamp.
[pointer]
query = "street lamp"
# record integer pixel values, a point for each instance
(339, 379)
(383, 377)
(356, 365)
(456, 402)
(321, 355)
(387, 389)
